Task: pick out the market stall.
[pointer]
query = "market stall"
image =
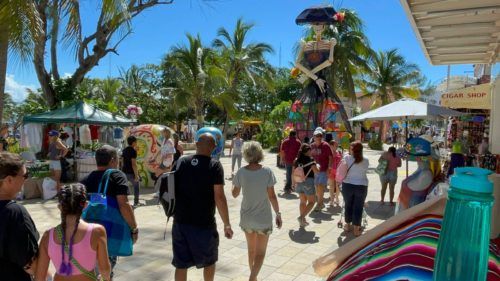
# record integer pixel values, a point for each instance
(469, 135)
(87, 126)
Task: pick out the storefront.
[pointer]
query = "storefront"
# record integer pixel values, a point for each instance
(472, 128)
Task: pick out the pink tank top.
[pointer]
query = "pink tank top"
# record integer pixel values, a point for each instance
(82, 252)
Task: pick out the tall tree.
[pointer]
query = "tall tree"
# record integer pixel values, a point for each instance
(191, 63)
(351, 54)
(19, 24)
(112, 27)
(243, 61)
(390, 78)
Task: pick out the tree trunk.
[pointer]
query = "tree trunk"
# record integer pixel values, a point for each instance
(44, 78)
(54, 36)
(4, 47)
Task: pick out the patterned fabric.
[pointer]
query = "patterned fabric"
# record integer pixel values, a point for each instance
(404, 253)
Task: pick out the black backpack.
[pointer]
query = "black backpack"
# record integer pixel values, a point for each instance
(166, 185)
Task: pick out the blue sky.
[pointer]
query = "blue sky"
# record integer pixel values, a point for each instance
(160, 28)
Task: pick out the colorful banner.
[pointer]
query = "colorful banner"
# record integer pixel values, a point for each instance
(477, 97)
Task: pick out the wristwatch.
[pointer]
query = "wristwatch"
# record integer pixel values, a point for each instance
(227, 226)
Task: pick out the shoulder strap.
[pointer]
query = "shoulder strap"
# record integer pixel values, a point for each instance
(346, 173)
(89, 274)
(105, 178)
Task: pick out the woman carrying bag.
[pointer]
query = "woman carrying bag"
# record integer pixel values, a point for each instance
(352, 173)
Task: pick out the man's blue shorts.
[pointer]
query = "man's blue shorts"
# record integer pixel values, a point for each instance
(194, 246)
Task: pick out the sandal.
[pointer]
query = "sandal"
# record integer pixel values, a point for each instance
(357, 231)
(347, 227)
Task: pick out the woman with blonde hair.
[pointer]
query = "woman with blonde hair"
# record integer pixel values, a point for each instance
(256, 182)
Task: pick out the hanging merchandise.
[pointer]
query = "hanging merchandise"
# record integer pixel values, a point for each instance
(85, 138)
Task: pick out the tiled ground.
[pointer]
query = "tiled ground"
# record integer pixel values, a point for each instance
(290, 253)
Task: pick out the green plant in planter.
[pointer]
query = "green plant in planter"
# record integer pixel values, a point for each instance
(375, 144)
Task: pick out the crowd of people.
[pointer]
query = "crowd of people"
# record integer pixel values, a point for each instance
(83, 248)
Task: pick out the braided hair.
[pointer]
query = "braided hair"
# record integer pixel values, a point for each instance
(72, 200)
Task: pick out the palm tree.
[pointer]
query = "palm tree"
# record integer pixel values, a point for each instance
(190, 62)
(390, 78)
(351, 54)
(19, 23)
(242, 61)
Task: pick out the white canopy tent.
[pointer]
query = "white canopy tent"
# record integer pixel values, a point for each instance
(407, 109)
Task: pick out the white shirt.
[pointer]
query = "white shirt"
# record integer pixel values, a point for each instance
(357, 173)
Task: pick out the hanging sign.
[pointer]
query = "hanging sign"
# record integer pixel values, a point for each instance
(477, 97)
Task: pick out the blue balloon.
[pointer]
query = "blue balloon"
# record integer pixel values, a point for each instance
(219, 139)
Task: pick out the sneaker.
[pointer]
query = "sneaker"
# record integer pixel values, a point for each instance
(157, 194)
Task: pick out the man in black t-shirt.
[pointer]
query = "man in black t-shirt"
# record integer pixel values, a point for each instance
(18, 234)
(129, 167)
(199, 189)
(106, 158)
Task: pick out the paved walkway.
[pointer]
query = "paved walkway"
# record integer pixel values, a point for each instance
(290, 253)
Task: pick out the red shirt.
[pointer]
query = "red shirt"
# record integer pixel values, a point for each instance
(291, 147)
(321, 154)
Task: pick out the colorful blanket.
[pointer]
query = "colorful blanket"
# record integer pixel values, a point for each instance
(405, 253)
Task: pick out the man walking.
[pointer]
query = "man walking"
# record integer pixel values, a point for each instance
(199, 189)
(129, 167)
(18, 234)
(106, 158)
(288, 152)
(322, 154)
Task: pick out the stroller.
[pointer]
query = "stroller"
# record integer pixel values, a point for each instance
(364, 220)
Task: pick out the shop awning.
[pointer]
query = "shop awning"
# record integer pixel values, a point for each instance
(456, 31)
(476, 97)
(79, 113)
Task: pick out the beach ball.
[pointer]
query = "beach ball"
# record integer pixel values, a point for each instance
(219, 139)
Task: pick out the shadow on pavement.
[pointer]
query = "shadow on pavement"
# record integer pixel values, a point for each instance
(344, 238)
(377, 211)
(303, 236)
(287, 196)
(317, 217)
(334, 210)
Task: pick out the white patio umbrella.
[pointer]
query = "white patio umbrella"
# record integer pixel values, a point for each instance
(407, 109)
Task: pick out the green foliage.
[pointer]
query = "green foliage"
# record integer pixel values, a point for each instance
(272, 129)
(375, 144)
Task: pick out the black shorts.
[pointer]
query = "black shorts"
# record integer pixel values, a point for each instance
(194, 246)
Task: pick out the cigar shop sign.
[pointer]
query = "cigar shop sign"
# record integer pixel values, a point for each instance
(476, 97)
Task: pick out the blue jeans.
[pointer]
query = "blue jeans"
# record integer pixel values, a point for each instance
(354, 201)
(135, 184)
(288, 184)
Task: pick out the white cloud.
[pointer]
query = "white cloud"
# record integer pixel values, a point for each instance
(16, 89)
(67, 75)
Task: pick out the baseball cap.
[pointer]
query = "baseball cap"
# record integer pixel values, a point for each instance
(53, 133)
(318, 131)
